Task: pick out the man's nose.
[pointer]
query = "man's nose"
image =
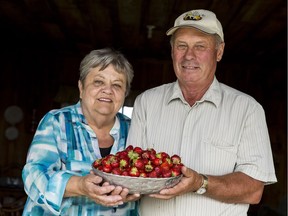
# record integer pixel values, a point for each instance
(190, 54)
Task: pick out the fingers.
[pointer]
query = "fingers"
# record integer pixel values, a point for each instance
(105, 194)
(187, 172)
(92, 179)
(132, 197)
(161, 196)
(117, 191)
(182, 187)
(117, 197)
(109, 200)
(105, 189)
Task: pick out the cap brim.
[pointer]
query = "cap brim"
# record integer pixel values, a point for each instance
(173, 29)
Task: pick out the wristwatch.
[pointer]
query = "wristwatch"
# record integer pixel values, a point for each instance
(204, 185)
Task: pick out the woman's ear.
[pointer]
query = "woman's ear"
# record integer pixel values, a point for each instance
(80, 87)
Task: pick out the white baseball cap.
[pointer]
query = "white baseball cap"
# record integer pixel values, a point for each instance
(203, 20)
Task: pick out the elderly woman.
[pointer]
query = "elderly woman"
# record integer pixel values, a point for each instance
(57, 176)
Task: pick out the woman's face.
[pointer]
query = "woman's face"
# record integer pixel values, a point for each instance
(195, 56)
(102, 93)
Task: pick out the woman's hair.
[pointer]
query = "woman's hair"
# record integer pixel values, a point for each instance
(103, 58)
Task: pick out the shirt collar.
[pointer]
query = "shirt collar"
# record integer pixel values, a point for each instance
(116, 127)
(79, 112)
(213, 94)
(82, 120)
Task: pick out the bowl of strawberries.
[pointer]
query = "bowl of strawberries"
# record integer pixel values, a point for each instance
(143, 171)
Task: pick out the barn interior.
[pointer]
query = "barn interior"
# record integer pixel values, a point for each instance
(43, 42)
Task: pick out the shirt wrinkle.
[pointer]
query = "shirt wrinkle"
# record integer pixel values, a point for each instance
(213, 94)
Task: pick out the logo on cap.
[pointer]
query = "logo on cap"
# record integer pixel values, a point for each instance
(194, 15)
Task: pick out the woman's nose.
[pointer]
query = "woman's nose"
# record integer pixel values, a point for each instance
(107, 89)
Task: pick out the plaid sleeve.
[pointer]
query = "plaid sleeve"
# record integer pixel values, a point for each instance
(44, 183)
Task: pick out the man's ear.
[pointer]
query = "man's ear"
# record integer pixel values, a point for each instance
(220, 51)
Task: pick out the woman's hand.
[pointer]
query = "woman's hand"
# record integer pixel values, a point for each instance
(93, 187)
(124, 193)
(90, 186)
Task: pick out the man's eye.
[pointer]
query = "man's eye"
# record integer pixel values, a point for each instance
(181, 47)
(200, 47)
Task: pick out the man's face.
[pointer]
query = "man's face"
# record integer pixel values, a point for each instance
(195, 56)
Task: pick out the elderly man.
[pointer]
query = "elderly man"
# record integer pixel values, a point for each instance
(219, 132)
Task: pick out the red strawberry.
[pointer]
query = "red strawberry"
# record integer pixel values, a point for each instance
(138, 150)
(116, 171)
(125, 173)
(143, 174)
(157, 161)
(166, 173)
(108, 157)
(168, 161)
(122, 154)
(145, 161)
(176, 159)
(139, 163)
(152, 174)
(151, 150)
(114, 161)
(148, 168)
(178, 166)
(152, 155)
(100, 168)
(162, 155)
(124, 163)
(165, 166)
(129, 148)
(133, 155)
(134, 172)
(105, 162)
(97, 162)
(107, 168)
(175, 171)
(158, 170)
(145, 154)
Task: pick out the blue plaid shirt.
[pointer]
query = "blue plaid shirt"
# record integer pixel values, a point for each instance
(64, 145)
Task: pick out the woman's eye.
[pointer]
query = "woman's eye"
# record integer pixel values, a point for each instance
(117, 85)
(98, 82)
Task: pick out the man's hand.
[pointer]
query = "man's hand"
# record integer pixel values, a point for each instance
(190, 181)
(236, 187)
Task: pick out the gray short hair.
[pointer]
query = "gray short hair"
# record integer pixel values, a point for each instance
(104, 58)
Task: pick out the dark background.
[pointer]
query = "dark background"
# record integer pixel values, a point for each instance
(43, 41)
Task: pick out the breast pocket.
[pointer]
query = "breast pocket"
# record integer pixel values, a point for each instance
(220, 156)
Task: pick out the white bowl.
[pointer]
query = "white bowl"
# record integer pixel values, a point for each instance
(139, 184)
